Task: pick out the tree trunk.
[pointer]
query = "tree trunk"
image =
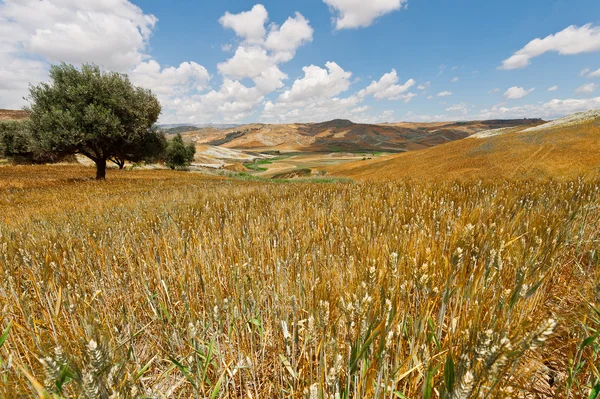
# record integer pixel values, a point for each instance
(101, 169)
(119, 162)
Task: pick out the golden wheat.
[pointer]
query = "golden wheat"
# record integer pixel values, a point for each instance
(178, 285)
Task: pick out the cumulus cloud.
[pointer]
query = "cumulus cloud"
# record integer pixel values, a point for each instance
(587, 88)
(230, 104)
(553, 88)
(189, 76)
(257, 57)
(351, 14)
(424, 86)
(595, 74)
(317, 83)
(584, 72)
(454, 80)
(517, 92)
(249, 25)
(387, 88)
(34, 33)
(315, 97)
(572, 40)
(247, 62)
(461, 108)
(360, 110)
(550, 110)
(285, 40)
(444, 94)
(113, 34)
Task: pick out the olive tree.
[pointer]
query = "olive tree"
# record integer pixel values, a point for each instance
(98, 114)
(152, 148)
(180, 155)
(17, 144)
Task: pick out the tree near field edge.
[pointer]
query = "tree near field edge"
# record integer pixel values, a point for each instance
(180, 155)
(98, 114)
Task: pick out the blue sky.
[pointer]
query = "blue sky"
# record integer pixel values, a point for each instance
(313, 60)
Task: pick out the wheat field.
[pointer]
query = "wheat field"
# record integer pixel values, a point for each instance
(159, 284)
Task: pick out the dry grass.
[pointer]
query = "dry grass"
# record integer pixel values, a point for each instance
(557, 153)
(174, 285)
(12, 115)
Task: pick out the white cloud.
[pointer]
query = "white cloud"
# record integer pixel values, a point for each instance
(586, 88)
(552, 109)
(360, 13)
(231, 103)
(461, 108)
(454, 80)
(595, 74)
(572, 40)
(387, 88)
(314, 97)
(285, 40)
(360, 110)
(549, 110)
(247, 62)
(444, 94)
(249, 25)
(34, 33)
(189, 76)
(317, 83)
(584, 72)
(321, 109)
(253, 62)
(259, 61)
(387, 115)
(553, 88)
(424, 86)
(495, 90)
(113, 33)
(517, 92)
(257, 58)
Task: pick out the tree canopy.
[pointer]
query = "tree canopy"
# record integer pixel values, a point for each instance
(16, 143)
(98, 114)
(179, 155)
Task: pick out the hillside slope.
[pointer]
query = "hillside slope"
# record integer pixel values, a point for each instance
(345, 136)
(564, 148)
(12, 115)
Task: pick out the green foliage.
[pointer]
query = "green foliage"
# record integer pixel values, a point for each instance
(12, 138)
(87, 111)
(179, 155)
(16, 143)
(149, 148)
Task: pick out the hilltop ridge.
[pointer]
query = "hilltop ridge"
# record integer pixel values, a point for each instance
(342, 135)
(567, 147)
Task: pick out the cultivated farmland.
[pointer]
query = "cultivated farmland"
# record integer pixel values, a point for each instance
(170, 284)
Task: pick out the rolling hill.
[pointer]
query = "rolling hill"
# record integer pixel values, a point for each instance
(567, 147)
(12, 115)
(345, 136)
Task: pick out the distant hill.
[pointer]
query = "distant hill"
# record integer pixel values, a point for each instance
(182, 127)
(12, 115)
(345, 136)
(178, 129)
(567, 147)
